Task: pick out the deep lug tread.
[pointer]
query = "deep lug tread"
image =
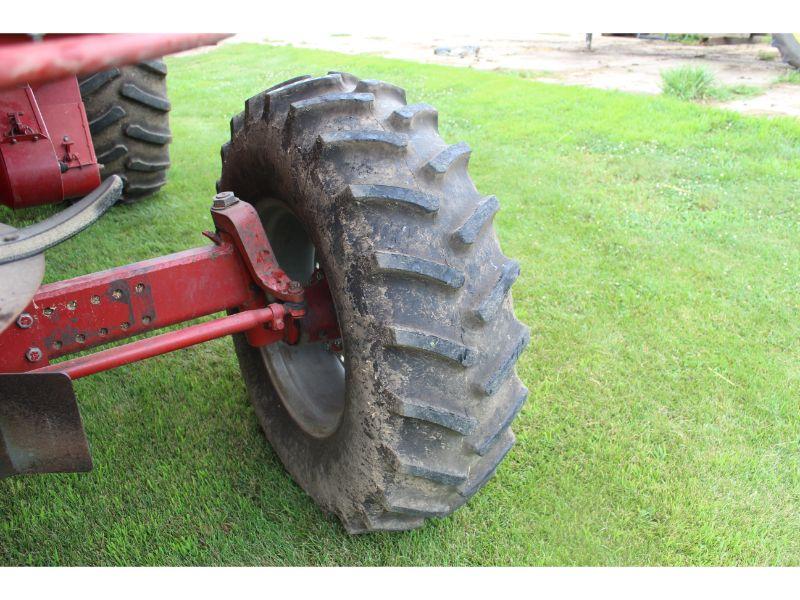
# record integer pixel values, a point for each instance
(390, 522)
(500, 421)
(151, 136)
(488, 466)
(236, 124)
(155, 66)
(390, 194)
(137, 94)
(338, 100)
(501, 371)
(140, 189)
(445, 476)
(490, 305)
(127, 108)
(224, 150)
(107, 119)
(276, 102)
(373, 86)
(448, 158)
(468, 232)
(347, 78)
(373, 137)
(407, 117)
(137, 164)
(415, 505)
(433, 344)
(278, 86)
(304, 115)
(412, 266)
(94, 82)
(458, 422)
(112, 154)
(255, 105)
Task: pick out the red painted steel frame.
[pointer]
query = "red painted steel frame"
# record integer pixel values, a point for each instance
(168, 342)
(238, 273)
(38, 61)
(80, 313)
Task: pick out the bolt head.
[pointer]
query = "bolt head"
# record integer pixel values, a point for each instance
(33, 354)
(24, 321)
(224, 200)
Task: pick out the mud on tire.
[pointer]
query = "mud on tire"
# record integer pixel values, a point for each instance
(421, 289)
(128, 114)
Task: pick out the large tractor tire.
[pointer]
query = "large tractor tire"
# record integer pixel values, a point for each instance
(412, 417)
(789, 47)
(128, 114)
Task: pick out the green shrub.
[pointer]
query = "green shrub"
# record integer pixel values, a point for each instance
(688, 83)
(699, 83)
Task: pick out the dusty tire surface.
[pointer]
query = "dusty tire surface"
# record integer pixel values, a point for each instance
(421, 290)
(789, 47)
(128, 114)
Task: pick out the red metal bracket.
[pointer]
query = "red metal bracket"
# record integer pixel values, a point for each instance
(320, 322)
(240, 221)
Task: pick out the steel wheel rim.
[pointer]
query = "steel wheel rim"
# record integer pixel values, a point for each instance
(308, 377)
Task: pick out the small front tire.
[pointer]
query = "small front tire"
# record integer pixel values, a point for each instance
(417, 417)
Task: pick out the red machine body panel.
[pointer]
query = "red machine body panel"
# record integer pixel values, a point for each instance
(46, 151)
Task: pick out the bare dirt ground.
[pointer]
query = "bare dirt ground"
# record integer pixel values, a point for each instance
(631, 65)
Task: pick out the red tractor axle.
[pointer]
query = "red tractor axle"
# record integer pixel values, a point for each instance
(238, 273)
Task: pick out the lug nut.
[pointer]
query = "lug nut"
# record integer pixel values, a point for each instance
(224, 200)
(33, 354)
(24, 321)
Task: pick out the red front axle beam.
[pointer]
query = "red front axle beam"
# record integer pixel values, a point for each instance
(237, 274)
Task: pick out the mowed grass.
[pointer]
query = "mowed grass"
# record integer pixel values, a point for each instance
(661, 279)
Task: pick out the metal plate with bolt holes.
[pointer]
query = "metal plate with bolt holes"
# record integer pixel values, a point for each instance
(18, 283)
(40, 426)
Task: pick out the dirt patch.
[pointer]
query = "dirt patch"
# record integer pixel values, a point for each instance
(631, 65)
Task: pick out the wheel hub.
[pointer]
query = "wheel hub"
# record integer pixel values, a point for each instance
(309, 376)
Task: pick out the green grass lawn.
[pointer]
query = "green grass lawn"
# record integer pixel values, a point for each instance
(659, 243)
